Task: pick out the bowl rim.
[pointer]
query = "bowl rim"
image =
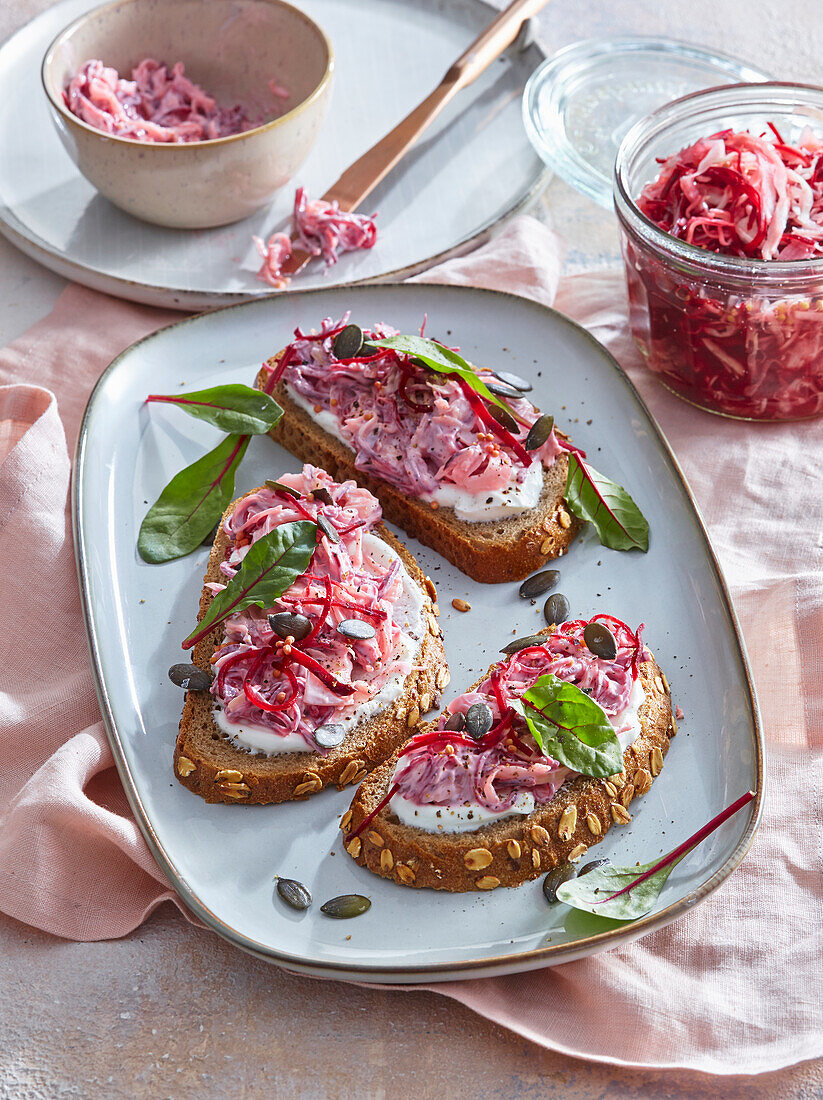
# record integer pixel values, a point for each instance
(74, 120)
(682, 251)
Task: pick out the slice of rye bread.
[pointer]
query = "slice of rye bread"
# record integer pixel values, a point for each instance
(516, 849)
(500, 550)
(207, 762)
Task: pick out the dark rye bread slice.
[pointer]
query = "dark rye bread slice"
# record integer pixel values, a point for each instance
(207, 762)
(516, 849)
(500, 550)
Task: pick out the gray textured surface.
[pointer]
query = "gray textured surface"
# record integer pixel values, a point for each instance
(173, 1011)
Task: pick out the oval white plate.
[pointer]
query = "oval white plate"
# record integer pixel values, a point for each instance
(472, 169)
(223, 859)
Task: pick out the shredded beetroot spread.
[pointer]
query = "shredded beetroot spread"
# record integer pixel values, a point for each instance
(324, 678)
(417, 429)
(757, 355)
(158, 104)
(743, 195)
(274, 254)
(319, 227)
(450, 769)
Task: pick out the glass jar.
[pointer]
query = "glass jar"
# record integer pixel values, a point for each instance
(736, 336)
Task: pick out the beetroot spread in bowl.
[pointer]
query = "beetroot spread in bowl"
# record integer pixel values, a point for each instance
(158, 104)
(720, 201)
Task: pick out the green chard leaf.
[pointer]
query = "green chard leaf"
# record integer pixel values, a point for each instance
(440, 359)
(619, 523)
(601, 891)
(272, 564)
(191, 504)
(233, 408)
(570, 727)
(626, 893)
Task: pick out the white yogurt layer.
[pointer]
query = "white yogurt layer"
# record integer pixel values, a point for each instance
(408, 612)
(456, 819)
(492, 504)
(483, 507)
(471, 815)
(629, 717)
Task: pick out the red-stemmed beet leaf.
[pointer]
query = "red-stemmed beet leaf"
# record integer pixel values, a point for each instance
(232, 408)
(569, 726)
(191, 504)
(619, 523)
(626, 893)
(271, 565)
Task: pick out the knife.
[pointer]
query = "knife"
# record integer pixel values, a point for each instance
(361, 178)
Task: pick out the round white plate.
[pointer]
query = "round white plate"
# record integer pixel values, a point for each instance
(472, 169)
(223, 859)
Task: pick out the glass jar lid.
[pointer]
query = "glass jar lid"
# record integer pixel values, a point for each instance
(579, 104)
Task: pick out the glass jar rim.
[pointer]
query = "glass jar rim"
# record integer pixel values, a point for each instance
(655, 124)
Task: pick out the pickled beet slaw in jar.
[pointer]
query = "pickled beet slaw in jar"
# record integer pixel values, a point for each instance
(417, 429)
(447, 768)
(293, 688)
(724, 250)
(158, 104)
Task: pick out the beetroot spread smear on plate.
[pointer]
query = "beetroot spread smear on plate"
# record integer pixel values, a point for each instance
(158, 104)
(322, 229)
(753, 350)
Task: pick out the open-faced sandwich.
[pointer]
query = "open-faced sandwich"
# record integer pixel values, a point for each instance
(320, 632)
(525, 770)
(459, 456)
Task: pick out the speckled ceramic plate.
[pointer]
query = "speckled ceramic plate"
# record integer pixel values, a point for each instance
(223, 859)
(473, 168)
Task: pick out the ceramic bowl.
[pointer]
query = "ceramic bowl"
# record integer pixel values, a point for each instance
(233, 49)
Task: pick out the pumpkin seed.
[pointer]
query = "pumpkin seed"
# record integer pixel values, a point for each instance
(522, 643)
(276, 486)
(369, 349)
(592, 865)
(500, 389)
(356, 629)
(504, 418)
(479, 720)
(190, 677)
(348, 342)
(345, 906)
(600, 641)
(456, 722)
(554, 879)
(293, 893)
(539, 432)
(331, 735)
(539, 583)
(556, 609)
(288, 624)
(327, 529)
(322, 494)
(514, 380)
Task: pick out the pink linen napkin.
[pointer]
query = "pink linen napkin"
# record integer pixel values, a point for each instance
(731, 987)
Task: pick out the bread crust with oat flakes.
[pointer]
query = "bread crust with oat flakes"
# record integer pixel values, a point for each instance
(516, 849)
(210, 765)
(500, 550)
